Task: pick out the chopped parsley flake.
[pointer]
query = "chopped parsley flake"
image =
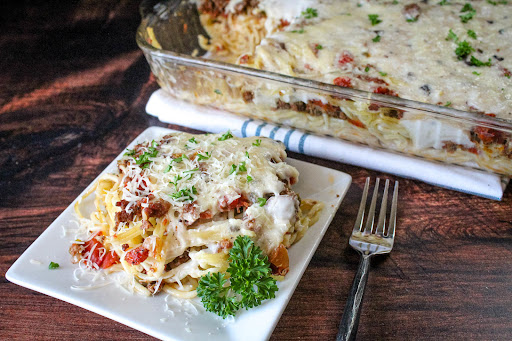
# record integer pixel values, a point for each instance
(185, 194)
(443, 2)
(476, 62)
(143, 160)
(472, 34)
(452, 36)
(376, 39)
(191, 170)
(319, 47)
(247, 154)
(383, 74)
(176, 179)
(262, 201)
(225, 136)
(310, 13)
(501, 2)
(448, 104)
(233, 169)
(201, 157)
(476, 73)
(249, 178)
(298, 31)
(217, 91)
(469, 13)
(412, 19)
(239, 169)
(366, 69)
(463, 50)
(192, 140)
(374, 19)
(53, 266)
(257, 143)
(179, 159)
(130, 152)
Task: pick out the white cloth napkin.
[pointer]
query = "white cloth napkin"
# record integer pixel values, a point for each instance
(171, 110)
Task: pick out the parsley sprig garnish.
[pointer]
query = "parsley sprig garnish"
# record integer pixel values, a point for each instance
(250, 281)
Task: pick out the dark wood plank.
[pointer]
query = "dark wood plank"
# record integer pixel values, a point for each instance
(73, 86)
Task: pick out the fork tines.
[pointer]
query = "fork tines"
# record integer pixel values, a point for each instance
(381, 229)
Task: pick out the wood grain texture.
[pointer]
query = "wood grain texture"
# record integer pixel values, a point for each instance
(73, 86)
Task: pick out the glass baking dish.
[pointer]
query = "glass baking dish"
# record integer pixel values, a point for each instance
(168, 36)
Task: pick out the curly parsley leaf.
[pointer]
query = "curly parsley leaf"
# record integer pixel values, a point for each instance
(216, 297)
(250, 273)
(376, 39)
(472, 34)
(250, 281)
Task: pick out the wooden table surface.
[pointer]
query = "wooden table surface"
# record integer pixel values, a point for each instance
(73, 86)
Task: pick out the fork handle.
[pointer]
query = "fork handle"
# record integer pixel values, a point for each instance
(350, 320)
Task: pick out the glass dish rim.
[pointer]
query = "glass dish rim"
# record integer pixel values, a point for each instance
(465, 117)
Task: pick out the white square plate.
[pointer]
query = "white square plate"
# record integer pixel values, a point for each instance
(148, 314)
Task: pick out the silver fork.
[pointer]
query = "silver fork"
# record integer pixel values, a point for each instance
(368, 241)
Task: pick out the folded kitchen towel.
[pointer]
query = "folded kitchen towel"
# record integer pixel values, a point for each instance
(472, 181)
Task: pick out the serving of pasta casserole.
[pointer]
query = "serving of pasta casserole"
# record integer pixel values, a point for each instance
(175, 206)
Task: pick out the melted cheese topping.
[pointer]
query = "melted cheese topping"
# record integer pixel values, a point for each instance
(414, 59)
(212, 174)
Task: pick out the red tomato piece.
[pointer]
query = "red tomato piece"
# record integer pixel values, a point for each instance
(343, 81)
(136, 256)
(110, 259)
(345, 58)
(93, 250)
